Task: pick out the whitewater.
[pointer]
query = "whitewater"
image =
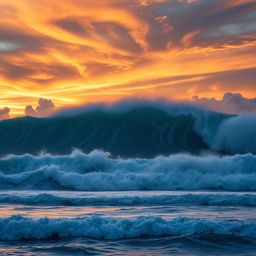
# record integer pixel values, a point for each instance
(132, 179)
(96, 204)
(98, 171)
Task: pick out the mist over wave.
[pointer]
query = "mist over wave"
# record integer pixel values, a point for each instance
(236, 134)
(97, 171)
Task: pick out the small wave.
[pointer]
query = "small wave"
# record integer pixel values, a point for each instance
(185, 199)
(19, 228)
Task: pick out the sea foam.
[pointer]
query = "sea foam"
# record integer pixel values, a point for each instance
(19, 228)
(97, 171)
(198, 199)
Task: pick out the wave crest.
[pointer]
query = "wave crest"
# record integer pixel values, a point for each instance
(202, 199)
(19, 228)
(131, 129)
(98, 171)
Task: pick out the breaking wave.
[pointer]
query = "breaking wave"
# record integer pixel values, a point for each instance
(97, 171)
(203, 199)
(19, 228)
(131, 129)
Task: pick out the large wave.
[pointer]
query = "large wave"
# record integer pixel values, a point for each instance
(131, 129)
(97, 171)
(19, 228)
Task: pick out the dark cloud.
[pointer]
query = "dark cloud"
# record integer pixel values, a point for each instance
(4, 113)
(20, 41)
(232, 103)
(110, 32)
(45, 108)
(51, 73)
(34, 71)
(200, 23)
(98, 69)
(14, 72)
(73, 25)
(117, 35)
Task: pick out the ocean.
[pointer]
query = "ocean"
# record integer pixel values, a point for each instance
(51, 222)
(145, 181)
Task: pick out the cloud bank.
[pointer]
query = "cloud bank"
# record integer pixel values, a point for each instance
(4, 113)
(45, 108)
(231, 103)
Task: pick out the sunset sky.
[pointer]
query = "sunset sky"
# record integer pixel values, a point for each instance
(75, 52)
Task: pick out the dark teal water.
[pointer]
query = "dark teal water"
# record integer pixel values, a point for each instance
(144, 179)
(122, 223)
(141, 131)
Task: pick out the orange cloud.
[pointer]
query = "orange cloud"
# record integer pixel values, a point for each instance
(80, 51)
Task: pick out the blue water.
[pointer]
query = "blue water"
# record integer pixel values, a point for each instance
(51, 222)
(130, 129)
(167, 179)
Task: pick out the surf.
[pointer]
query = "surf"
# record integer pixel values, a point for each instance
(98, 171)
(19, 228)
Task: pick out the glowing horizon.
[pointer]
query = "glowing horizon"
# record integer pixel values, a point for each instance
(77, 51)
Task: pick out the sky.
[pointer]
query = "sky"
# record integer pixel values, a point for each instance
(56, 54)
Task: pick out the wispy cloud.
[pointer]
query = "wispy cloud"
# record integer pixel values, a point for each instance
(76, 51)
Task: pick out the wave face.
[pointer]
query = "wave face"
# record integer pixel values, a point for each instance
(131, 129)
(97, 171)
(19, 228)
(142, 129)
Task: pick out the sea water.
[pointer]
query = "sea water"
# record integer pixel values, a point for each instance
(92, 204)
